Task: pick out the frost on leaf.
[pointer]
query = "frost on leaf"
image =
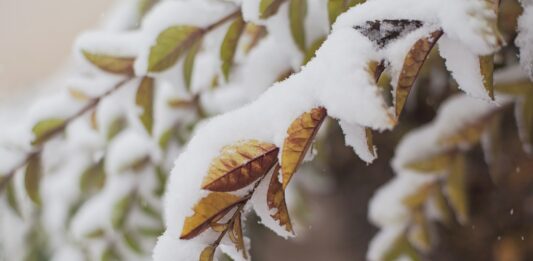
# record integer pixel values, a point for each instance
(411, 67)
(111, 64)
(209, 209)
(276, 201)
(170, 45)
(382, 32)
(145, 100)
(239, 165)
(300, 135)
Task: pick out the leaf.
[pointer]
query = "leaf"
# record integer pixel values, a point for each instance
(207, 210)
(268, 8)
(11, 197)
(456, 188)
(116, 126)
(111, 64)
(432, 163)
(239, 165)
(442, 206)
(276, 201)
(132, 242)
(412, 64)
(297, 13)
(310, 53)
(151, 232)
(486, 66)
(300, 134)
(208, 253)
(32, 179)
(78, 95)
(121, 210)
(382, 32)
(399, 248)
(335, 8)
(237, 234)
(256, 32)
(524, 118)
(45, 129)
(219, 227)
(229, 45)
(95, 234)
(188, 63)
(110, 254)
(419, 197)
(93, 178)
(170, 45)
(469, 134)
(418, 233)
(145, 99)
(370, 141)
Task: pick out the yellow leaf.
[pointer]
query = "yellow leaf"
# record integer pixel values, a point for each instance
(145, 99)
(32, 179)
(239, 165)
(370, 141)
(229, 45)
(456, 189)
(78, 94)
(419, 197)
(170, 45)
(276, 201)
(237, 233)
(418, 233)
(442, 206)
(45, 129)
(297, 13)
(412, 64)
(111, 64)
(210, 208)
(219, 227)
(207, 254)
(432, 163)
(399, 248)
(268, 8)
(300, 135)
(188, 63)
(486, 66)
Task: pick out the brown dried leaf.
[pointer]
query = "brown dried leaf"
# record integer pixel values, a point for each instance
(486, 66)
(276, 201)
(299, 138)
(411, 67)
(237, 233)
(207, 254)
(209, 209)
(239, 165)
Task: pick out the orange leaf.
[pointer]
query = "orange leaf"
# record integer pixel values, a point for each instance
(299, 137)
(210, 208)
(411, 66)
(276, 201)
(239, 165)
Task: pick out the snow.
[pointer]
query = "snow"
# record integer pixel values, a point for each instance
(524, 40)
(355, 136)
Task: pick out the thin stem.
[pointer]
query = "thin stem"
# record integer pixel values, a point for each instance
(59, 129)
(223, 20)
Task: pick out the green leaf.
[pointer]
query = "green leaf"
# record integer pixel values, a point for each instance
(132, 242)
(297, 13)
(268, 8)
(310, 52)
(121, 210)
(111, 64)
(32, 179)
(12, 198)
(161, 181)
(229, 45)
(188, 63)
(401, 247)
(95, 234)
(335, 8)
(44, 129)
(456, 188)
(116, 126)
(145, 99)
(110, 254)
(93, 178)
(486, 66)
(150, 232)
(170, 45)
(149, 210)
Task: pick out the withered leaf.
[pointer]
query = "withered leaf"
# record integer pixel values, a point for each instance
(32, 180)
(412, 64)
(214, 206)
(300, 135)
(382, 32)
(297, 13)
(276, 201)
(229, 45)
(268, 8)
(432, 163)
(111, 64)
(486, 66)
(207, 254)
(239, 165)
(144, 98)
(456, 188)
(237, 234)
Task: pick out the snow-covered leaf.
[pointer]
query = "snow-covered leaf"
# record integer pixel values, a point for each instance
(276, 201)
(145, 100)
(209, 209)
(229, 45)
(299, 137)
(432, 163)
(239, 165)
(170, 45)
(401, 247)
(111, 64)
